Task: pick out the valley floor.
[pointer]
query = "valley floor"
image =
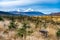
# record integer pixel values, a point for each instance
(40, 29)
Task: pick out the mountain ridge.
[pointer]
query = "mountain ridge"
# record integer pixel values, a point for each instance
(32, 13)
(29, 13)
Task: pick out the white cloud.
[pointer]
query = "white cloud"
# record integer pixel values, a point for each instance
(10, 3)
(15, 3)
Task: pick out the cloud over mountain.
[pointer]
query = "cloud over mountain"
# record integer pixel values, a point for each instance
(29, 5)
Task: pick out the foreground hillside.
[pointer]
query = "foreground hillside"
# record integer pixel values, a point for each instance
(29, 28)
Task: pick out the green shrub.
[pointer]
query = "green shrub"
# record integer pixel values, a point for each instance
(1, 19)
(30, 32)
(12, 25)
(58, 33)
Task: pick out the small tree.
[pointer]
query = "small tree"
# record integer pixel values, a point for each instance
(58, 34)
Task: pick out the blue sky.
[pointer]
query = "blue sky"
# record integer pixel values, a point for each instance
(45, 6)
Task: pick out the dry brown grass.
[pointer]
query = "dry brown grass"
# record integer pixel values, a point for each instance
(36, 35)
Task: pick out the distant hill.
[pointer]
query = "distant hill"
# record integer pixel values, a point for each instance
(7, 13)
(2, 13)
(55, 14)
(16, 13)
(34, 13)
(31, 13)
